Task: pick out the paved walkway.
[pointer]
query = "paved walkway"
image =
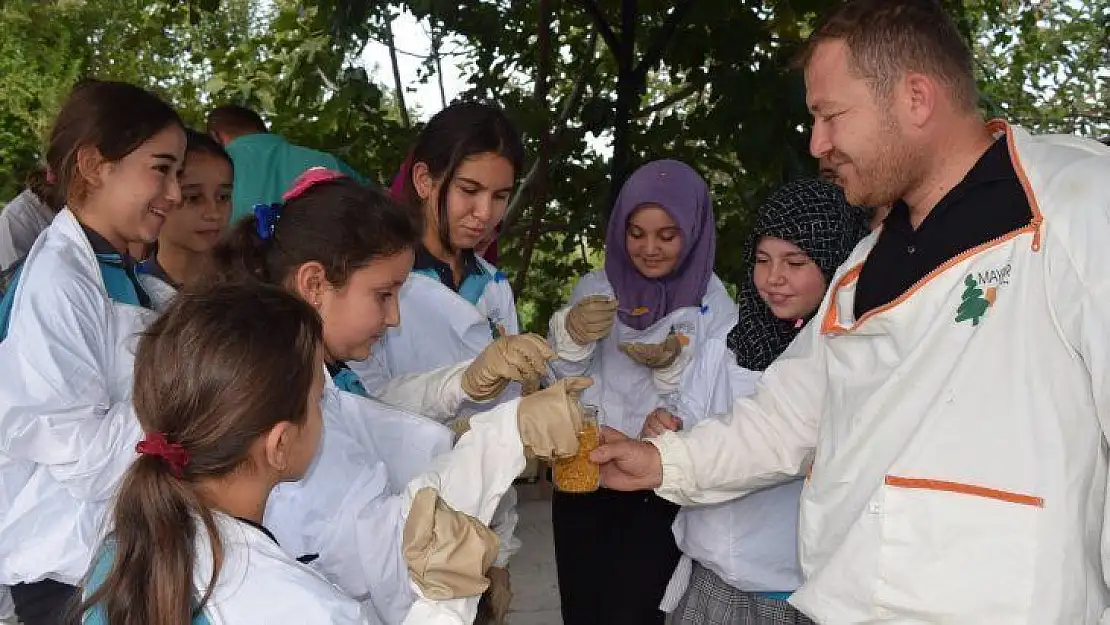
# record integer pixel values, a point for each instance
(535, 590)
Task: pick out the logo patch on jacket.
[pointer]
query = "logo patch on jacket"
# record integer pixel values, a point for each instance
(975, 301)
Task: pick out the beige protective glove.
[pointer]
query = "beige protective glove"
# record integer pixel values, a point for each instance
(513, 358)
(655, 355)
(447, 552)
(549, 420)
(591, 319)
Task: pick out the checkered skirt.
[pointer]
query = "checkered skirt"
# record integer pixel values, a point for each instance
(711, 601)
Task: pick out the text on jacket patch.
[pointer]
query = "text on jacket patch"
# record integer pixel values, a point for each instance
(994, 277)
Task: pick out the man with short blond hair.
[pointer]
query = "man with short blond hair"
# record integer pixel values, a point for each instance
(950, 401)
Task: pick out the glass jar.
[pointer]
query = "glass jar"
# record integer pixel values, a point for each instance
(577, 474)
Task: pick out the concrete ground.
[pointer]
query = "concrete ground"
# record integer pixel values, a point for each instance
(535, 589)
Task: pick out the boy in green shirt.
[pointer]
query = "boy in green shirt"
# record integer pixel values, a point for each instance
(265, 163)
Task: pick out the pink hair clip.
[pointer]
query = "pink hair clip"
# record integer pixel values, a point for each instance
(309, 179)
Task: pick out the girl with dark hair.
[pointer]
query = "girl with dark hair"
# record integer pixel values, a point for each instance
(70, 317)
(740, 561)
(192, 229)
(455, 304)
(346, 249)
(227, 390)
(650, 329)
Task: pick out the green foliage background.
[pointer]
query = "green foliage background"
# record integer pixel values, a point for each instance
(702, 81)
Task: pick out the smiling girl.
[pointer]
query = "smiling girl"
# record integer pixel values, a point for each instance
(70, 319)
(650, 329)
(740, 560)
(191, 230)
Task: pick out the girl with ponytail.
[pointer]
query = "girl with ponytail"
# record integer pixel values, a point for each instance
(227, 390)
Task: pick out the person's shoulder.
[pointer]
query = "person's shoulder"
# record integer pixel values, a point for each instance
(497, 276)
(59, 269)
(720, 304)
(259, 582)
(1066, 179)
(311, 157)
(21, 203)
(1065, 173)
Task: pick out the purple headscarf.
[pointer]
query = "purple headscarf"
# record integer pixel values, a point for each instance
(682, 193)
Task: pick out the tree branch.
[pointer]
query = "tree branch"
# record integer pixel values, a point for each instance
(603, 26)
(570, 105)
(676, 97)
(546, 228)
(544, 156)
(662, 36)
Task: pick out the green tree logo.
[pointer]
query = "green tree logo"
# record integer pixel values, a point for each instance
(972, 305)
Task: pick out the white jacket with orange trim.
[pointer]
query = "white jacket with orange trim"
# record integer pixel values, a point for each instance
(957, 435)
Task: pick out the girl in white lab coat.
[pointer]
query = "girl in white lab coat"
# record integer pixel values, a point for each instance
(227, 390)
(740, 559)
(346, 249)
(651, 330)
(69, 319)
(455, 304)
(193, 228)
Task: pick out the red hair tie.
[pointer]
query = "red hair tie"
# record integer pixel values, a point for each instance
(173, 454)
(309, 179)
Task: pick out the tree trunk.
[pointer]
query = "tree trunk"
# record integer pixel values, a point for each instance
(437, 41)
(628, 90)
(539, 204)
(398, 85)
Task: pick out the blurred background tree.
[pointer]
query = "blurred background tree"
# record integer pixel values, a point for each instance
(597, 87)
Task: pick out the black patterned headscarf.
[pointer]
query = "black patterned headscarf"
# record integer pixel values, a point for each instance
(813, 215)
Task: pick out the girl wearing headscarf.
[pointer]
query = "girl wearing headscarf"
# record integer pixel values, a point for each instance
(651, 330)
(740, 559)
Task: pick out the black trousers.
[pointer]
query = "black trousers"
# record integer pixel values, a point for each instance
(615, 554)
(46, 603)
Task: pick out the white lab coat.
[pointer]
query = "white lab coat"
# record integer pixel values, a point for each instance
(941, 490)
(751, 543)
(21, 221)
(692, 388)
(439, 328)
(259, 582)
(160, 292)
(67, 430)
(351, 507)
